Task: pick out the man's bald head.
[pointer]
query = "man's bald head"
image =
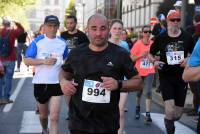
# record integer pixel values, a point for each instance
(97, 16)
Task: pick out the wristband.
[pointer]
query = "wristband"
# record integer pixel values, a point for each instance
(119, 82)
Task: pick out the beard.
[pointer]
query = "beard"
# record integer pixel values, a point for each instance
(71, 29)
(173, 29)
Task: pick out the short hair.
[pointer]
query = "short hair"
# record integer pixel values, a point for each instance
(72, 17)
(113, 21)
(197, 17)
(97, 15)
(145, 26)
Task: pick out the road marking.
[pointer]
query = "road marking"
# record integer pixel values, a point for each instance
(158, 120)
(13, 97)
(30, 123)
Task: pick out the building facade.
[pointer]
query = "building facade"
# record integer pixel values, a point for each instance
(86, 8)
(136, 13)
(46, 7)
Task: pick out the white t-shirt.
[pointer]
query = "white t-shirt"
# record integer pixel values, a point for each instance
(43, 47)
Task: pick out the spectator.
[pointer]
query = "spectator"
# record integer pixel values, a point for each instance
(8, 61)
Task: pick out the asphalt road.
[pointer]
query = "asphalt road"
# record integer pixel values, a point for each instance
(20, 117)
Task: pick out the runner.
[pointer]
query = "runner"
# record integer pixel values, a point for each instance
(116, 28)
(93, 76)
(139, 54)
(74, 38)
(46, 53)
(174, 47)
(191, 73)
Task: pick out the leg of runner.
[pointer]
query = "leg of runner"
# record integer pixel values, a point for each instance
(67, 99)
(169, 116)
(43, 109)
(148, 89)
(54, 113)
(137, 109)
(122, 103)
(178, 112)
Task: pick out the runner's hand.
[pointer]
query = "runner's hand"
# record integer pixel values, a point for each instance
(158, 64)
(1, 68)
(184, 62)
(68, 87)
(50, 61)
(109, 83)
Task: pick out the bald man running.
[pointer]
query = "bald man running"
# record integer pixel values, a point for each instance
(93, 76)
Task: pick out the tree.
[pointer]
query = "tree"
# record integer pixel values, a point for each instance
(70, 10)
(15, 9)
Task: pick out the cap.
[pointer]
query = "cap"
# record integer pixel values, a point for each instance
(178, 3)
(51, 19)
(173, 14)
(6, 20)
(161, 17)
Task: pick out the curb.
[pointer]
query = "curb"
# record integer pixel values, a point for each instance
(185, 119)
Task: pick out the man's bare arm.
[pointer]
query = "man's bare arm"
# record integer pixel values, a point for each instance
(133, 84)
(35, 62)
(191, 74)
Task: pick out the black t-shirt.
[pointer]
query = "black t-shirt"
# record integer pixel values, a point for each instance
(164, 44)
(74, 40)
(22, 38)
(115, 62)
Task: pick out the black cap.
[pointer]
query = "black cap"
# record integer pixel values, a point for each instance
(51, 19)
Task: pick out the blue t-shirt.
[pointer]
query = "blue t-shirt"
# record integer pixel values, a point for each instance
(124, 44)
(194, 60)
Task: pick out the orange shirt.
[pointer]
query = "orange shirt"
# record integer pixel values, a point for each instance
(143, 65)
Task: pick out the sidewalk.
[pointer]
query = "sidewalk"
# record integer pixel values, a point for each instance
(185, 119)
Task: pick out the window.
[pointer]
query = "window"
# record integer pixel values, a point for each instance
(47, 2)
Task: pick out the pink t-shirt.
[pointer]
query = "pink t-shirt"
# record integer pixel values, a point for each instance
(143, 65)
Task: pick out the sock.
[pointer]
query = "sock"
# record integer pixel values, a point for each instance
(169, 125)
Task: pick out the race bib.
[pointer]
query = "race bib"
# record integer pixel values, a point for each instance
(145, 63)
(94, 92)
(174, 58)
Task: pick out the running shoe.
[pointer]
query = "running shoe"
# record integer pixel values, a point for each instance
(148, 119)
(137, 114)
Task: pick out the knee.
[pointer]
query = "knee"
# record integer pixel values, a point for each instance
(54, 117)
(169, 113)
(149, 95)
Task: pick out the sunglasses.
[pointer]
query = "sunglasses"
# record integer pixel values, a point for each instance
(147, 32)
(175, 19)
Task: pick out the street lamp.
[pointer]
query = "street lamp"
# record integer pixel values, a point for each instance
(83, 4)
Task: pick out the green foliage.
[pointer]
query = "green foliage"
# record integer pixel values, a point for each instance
(70, 10)
(15, 9)
(18, 2)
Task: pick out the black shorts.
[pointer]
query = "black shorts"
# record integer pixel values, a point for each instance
(82, 132)
(173, 88)
(43, 92)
